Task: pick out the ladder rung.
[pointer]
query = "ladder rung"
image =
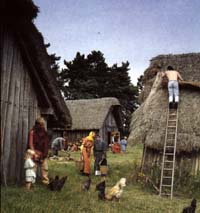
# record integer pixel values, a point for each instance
(172, 120)
(169, 153)
(167, 169)
(171, 127)
(169, 146)
(167, 185)
(172, 112)
(167, 177)
(168, 161)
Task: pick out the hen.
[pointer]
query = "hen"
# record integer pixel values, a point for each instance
(86, 184)
(57, 184)
(191, 208)
(101, 188)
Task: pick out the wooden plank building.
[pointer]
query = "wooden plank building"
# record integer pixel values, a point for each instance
(28, 87)
(102, 115)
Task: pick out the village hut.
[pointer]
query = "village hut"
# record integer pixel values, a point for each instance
(28, 86)
(102, 115)
(149, 121)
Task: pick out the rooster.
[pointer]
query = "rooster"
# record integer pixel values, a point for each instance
(116, 191)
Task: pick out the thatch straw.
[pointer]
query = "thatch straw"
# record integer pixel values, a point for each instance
(17, 19)
(91, 113)
(149, 120)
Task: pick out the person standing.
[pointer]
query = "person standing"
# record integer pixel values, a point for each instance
(116, 145)
(123, 144)
(57, 144)
(173, 87)
(29, 167)
(86, 152)
(38, 142)
(99, 152)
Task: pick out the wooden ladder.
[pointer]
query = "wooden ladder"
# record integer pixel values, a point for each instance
(169, 154)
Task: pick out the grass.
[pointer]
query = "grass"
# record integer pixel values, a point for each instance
(71, 199)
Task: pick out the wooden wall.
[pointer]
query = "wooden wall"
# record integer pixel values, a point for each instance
(184, 161)
(108, 126)
(76, 135)
(19, 109)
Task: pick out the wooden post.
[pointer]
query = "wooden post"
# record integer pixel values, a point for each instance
(143, 157)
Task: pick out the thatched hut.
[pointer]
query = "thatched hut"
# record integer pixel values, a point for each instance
(102, 115)
(149, 120)
(28, 87)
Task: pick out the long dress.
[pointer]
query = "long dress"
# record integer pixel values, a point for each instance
(86, 153)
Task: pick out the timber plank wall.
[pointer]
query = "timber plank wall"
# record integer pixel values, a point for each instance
(19, 109)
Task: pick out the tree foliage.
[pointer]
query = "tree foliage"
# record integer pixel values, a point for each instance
(90, 77)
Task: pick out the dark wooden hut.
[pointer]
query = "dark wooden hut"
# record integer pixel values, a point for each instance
(28, 86)
(149, 121)
(102, 115)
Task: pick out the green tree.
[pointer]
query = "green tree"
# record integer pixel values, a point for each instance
(91, 77)
(122, 88)
(75, 78)
(55, 68)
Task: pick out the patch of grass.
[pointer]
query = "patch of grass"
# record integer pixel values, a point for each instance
(71, 199)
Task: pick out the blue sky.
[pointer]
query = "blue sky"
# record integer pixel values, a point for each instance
(124, 30)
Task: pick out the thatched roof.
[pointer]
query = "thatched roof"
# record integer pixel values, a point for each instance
(149, 120)
(91, 113)
(17, 19)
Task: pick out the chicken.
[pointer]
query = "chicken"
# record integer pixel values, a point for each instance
(191, 208)
(86, 184)
(116, 191)
(53, 183)
(57, 184)
(101, 188)
(61, 183)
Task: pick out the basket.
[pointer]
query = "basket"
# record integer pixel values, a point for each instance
(104, 169)
(79, 165)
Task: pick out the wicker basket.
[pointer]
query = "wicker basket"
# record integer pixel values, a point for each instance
(104, 169)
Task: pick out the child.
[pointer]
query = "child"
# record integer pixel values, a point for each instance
(29, 167)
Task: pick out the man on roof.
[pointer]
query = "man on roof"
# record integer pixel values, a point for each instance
(173, 87)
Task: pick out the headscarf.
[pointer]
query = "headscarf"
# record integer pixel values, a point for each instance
(90, 137)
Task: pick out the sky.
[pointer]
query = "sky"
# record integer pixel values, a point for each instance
(123, 30)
